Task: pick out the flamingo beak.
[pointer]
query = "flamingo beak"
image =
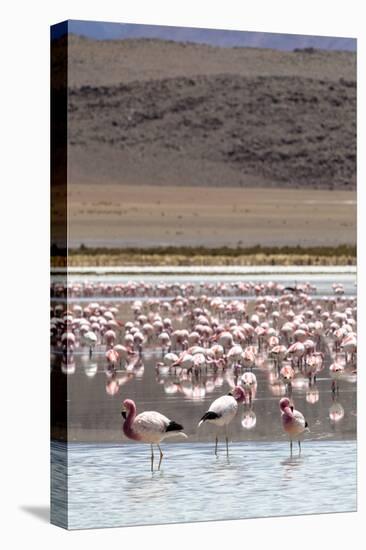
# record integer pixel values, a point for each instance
(124, 413)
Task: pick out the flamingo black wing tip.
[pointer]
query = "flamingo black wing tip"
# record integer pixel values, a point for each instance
(174, 427)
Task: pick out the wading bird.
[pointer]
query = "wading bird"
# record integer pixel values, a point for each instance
(148, 427)
(222, 411)
(293, 421)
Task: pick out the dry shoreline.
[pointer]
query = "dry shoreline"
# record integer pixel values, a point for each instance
(142, 217)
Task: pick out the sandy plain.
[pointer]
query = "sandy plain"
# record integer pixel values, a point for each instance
(152, 216)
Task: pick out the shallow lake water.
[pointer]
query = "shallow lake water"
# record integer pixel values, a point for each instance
(95, 396)
(109, 482)
(111, 485)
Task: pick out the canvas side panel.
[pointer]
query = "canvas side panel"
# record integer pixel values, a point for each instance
(59, 479)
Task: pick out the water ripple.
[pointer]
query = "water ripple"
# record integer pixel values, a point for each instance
(111, 485)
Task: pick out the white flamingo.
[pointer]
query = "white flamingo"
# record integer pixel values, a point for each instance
(222, 411)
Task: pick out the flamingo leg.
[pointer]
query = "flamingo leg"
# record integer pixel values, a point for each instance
(216, 442)
(161, 456)
(299, 446)
(152, 458)
(291, 447)
(227, 442)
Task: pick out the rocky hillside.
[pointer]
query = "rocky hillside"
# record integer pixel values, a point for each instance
(189, 114)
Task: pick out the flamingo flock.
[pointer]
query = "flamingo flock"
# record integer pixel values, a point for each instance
(207, 334)
(89, 289)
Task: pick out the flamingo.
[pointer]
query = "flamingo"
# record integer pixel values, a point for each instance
(225, 339)
(287, 374)
(112, 357)
(313, 364)
(248, 357)
(185, 361)
(336, 371)
(68, 341)
(293, 421)
(222, 411)
(349, 346)
(234, 354)
(123, 353)
(90, 339)
(110, 338)
(148, 427)
(278, 353)
(168, 360)
(296, 350)
(249, 382)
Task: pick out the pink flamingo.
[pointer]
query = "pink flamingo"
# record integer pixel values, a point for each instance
(234, 354)
(68, 341)
(293, 421)
(148, 427)
(278, 353)
(336, 371)
(314, 364)
(168, 360)
(185, 361)
(112, 357)
(123, 353)
(248, 357)
(110, 337)
(249, 382)
(349, 346)
(222, 411)
(296, 350)
(287, 373)
(225, 339)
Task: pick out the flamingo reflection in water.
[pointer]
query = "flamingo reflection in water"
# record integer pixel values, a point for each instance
(249, 419)
(336, 411)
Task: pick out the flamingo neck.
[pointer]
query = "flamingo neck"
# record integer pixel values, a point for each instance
(288, 412)
(128, 423)
(240, 395)
(240, 398)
